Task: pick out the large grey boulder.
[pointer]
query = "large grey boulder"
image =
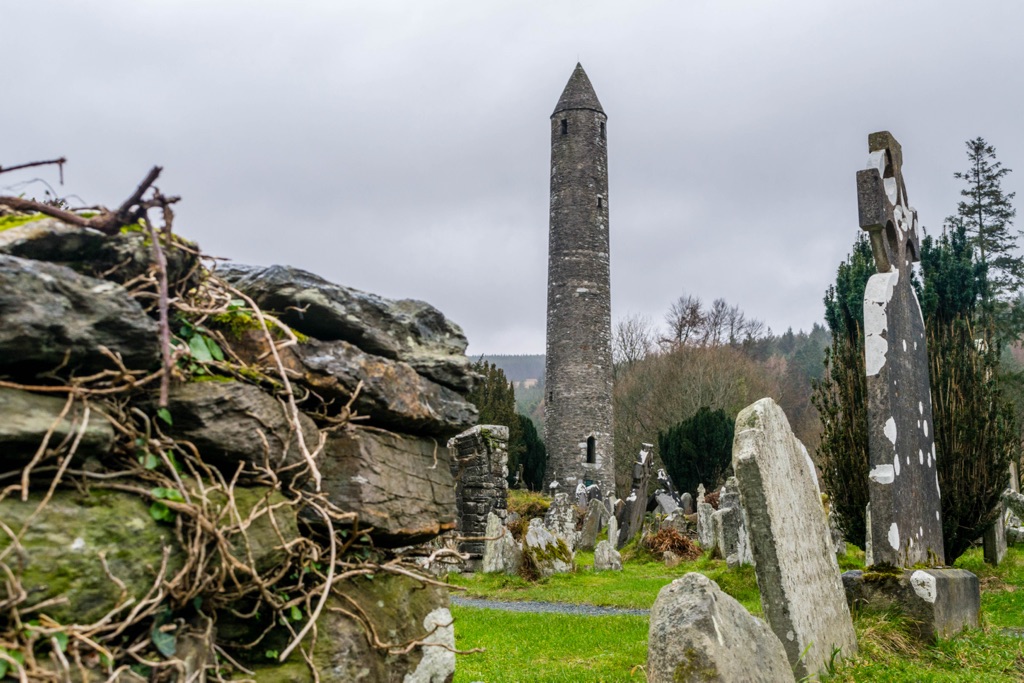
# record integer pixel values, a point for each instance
(410, 331)
(392, 394)
(797, 573)
(607, 558)
(26, 418)
(53, 317)
(699, 633)
(401, 486)
(544, 553)
(225, 421)
(502, 555)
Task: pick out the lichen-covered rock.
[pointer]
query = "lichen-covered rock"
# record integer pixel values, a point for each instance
(410, 331)
(543, 552)
(401, 486)
(699, 633)
(54, 317)
(607, 558)
(26, 418)
(225, 420)
(401, 610)
(59, 555)
(597, 514)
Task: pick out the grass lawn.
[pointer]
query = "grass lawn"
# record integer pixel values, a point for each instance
(554, 647)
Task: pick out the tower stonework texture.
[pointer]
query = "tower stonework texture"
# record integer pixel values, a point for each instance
(578, 372)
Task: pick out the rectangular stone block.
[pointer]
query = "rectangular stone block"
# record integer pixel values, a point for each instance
(400, 485)
(797, 573)
(994, 541)
(940, 603)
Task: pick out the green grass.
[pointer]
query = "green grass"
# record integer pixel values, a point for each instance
(636, 586)
(7, 222)
(549, 647)
(555, 647)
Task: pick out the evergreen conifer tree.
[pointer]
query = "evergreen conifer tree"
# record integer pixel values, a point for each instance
(987, 214)
(698, 450)
(494, 396)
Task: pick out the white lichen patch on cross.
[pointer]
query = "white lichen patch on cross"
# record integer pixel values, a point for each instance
(894, 536)
(877, 295)
(890, 430)
(883, 474)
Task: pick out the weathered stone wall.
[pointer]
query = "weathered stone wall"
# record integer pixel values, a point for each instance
(106, 544)
(578, 371)
(480, 468)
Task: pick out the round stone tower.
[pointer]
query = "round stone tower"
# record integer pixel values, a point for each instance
(578, 373)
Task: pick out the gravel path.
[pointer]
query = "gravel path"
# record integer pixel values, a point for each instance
(549, 607)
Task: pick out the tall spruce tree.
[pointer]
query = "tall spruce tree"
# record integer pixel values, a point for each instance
(987, 214)
(535, 456)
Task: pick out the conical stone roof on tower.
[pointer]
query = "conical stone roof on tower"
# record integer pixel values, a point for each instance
(578, 373)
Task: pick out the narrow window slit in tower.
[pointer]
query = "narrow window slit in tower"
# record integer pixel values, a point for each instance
(602, 130)
(600, 202)
(565, 126)
(591, 450)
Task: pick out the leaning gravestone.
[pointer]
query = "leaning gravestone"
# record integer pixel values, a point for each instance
(801, 589)
(903, 483)
(705, 526)
(597, 513)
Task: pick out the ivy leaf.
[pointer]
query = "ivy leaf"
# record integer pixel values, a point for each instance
(160, 512)
(295, 613)
(271, 654)
(149, 461)
(167, 494)
(165, 642)
(62, 640)
(200, 351)
(215, 351)
(165, 415)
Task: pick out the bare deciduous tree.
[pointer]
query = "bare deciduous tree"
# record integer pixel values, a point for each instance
(632, 339)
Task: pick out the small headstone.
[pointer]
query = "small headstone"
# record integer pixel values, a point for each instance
(666, 503)
(697, 628)
(994, 541)
(686, 502)
(502, 555)
(705, 526)
(548, 553)
(592, 523)
(797, 573)
(903, 483)
(594, 492)
(607, 558)
(613, 531)
(581, 495)
(731, 540)
(560, 519)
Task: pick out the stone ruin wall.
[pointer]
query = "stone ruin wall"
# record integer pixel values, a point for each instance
(479, 465)
(66, 312)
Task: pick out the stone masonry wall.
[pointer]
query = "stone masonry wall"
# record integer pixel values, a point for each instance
(480, 468)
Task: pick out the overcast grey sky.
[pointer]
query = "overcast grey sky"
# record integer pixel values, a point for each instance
(402, 147)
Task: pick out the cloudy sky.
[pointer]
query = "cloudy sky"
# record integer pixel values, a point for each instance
(402, 147)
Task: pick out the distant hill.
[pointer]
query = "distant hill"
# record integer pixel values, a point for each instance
(520, 368)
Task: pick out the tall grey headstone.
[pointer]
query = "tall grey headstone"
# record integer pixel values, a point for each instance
(801, 589)
(903, 482)
(631, 518)
(705, 526)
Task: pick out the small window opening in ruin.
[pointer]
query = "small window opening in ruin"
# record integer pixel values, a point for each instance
(591, 450)
(551, 396)
(602, 130)
(600, 202)
(565, 126)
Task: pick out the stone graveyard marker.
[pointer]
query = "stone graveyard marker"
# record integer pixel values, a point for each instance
(801, 590)
(903, 485)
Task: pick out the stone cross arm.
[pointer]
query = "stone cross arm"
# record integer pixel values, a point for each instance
(882, 203)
